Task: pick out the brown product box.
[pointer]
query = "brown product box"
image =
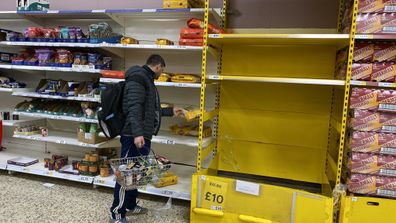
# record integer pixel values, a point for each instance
(364, 120)
(369, 163)
(383, 72)
(384, 52)
(90, 138)
(370, 6)
(363, 52)
(372, 185)
(363, 98)
(387, 101)
(376, 23)
(362, 71)
(373, 142)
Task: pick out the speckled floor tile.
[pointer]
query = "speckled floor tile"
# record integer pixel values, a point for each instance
(24, 199)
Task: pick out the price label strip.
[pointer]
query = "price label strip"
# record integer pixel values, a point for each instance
(214, 194)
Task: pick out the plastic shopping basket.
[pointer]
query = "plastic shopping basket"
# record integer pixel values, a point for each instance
(136, 172)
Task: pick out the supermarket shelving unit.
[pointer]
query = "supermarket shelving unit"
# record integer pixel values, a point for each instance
(62, 138)
(280, 127)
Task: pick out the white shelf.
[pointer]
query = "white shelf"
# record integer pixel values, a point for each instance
(38, 168)
(67, 138)
(56, 117)
(43, 68)
(37, 95)
(181, 190)
(18, 122)
(10, 90)
(309, 81)
(98, 45)
(157, 83)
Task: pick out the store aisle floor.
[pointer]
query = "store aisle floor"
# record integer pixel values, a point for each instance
(24, 199)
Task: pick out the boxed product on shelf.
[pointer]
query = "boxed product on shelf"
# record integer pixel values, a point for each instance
(7, 57)
(175, 4)
(32, 5)
(362, 71)
(372, 142)
(372, 185)
(364, 120)
(376, 23)
(383, 72)
(190, 33)
(363, 98)
(22, 161)
(199, 24)
(370, 6)
(191, 42)
(363, 52)
(89, 133)
(384, 52)
(30, 130)
(369, 163)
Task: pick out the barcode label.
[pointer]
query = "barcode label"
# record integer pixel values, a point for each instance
(388, 172)
(388, 193)
(387, 107)
(388, 150)
(390, 8)
(216, 208)
(389, 29)
(389, 128)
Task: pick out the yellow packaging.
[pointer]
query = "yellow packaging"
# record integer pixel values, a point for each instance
(164, 42)
(192, 113)
(185, 78)
(163, 78)
(176, 4)
(167, 180)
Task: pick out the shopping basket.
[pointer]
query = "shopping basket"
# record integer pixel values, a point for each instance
(136, 172)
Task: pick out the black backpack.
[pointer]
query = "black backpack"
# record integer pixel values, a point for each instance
(111, 117)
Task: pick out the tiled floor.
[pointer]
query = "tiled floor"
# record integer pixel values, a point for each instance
(24, 199)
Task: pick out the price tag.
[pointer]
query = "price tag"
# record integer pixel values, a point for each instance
(100, 181)
(61, 141)
(214, 194)
(363, 36)
(170, 142)
(215, 77)
(386, 84)
(84, 179)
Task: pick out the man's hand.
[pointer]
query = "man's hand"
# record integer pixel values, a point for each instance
(139, 142)
(179, 112)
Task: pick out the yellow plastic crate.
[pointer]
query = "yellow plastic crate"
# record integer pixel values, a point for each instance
(272, 204)
(367, 210)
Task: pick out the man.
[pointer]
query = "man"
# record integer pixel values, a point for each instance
(142, 106)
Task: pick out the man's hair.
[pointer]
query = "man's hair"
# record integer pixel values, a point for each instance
(154, 60)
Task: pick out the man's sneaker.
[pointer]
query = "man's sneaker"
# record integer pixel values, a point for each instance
(123, 220)
(137, 211)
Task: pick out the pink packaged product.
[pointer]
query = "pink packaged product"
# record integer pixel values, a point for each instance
(372, 185)
(376, 164)
(370, 6)
(364, 120)
(363, 98)
(384, 52)
(363, 52)
(376, 23)
(387, 100)
(383, 72)
(362, 71)
(373, 142)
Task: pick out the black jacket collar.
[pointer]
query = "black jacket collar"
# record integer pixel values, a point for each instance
(149, 71)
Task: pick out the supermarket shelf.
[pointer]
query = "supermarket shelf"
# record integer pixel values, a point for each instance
(67, 138)
(168, 138)
(279, 80)
(373, 84)
(163, 84)
(56, 117)
(338, 40)
(376, 36)
(37, 95)
(38, 168)
(19, 122)
(104, 45)
(181, 190)
(42, 68)
(15, 89)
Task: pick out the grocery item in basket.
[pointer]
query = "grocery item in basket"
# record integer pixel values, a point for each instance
(164, 42)
(189, 33)
(383, 72)
(363, 52)
(370, 6)
(384, 52)
(373, 142)
(376, 23)
(372, 185)
(369, 163)
(364, 120)
(363, 98)
(362, 71)
(185, 78)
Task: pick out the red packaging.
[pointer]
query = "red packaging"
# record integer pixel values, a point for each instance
(383, 72)
(362, 98)
(191, 42)
(199, 24)
(384, 52)
(387, 101)
(370, 6)
(188, 33)
(368, 163)
(376, 23)
(362, 71)
(364, 120)
(373, 142)
(363, 52)
(372, 185)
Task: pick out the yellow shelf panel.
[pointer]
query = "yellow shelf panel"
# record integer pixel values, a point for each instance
(337, 40)
(309, 81)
